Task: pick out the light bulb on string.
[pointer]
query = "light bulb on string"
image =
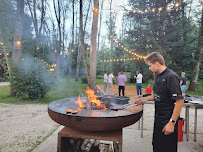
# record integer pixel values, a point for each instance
(177, 4)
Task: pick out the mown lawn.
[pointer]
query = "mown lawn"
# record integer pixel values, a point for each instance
(71, 88)
(62, 89)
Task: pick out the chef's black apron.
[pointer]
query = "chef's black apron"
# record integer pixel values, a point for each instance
(166, 90)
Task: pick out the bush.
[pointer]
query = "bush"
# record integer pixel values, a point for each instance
(84, 79)
(30, 77)
(100, 77)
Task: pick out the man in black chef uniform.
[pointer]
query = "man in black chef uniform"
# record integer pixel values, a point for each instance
(168, 104)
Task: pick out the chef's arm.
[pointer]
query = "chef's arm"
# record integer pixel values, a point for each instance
(143, 99)
(177, 109)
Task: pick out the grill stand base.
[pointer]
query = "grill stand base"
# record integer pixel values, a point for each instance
(115, 136)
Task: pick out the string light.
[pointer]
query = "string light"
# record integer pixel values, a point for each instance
(18, 43)
(177, 4)
(121, 46)
(1, 43)
(121, 59)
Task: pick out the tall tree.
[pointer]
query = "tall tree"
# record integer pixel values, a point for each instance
(18, 31)
(79, 47)
(38, 25)
(93, 47)
(57, 10)
(198, 54)
(17, 37)
(72, 43)
(82, 43)
(111, 29)
(100, 23)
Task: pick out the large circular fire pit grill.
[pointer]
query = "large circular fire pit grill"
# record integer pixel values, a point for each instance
(92, 120)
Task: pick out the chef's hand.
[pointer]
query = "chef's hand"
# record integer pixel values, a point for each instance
(138, 101)
(168, 128)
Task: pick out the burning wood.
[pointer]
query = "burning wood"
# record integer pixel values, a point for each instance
(91, 101)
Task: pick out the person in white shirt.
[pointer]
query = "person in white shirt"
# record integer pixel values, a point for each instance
(105, 81)
(110, 82)
(139, 83)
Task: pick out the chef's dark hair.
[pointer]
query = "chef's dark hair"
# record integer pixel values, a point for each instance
(155, 57)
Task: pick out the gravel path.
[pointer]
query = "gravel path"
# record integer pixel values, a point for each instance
(23, 125)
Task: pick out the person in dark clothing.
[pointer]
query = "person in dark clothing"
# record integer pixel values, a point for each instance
(167, 92)
(183, 83)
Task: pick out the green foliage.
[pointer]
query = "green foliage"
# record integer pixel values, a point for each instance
(63, 88)
(100, 76)
(84, 79)
(30, 78)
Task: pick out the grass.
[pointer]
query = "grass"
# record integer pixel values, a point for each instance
(197, 93)
(69, 88)
(39, 141)
(62, 89)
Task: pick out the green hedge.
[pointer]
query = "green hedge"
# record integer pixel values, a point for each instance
(30, 77)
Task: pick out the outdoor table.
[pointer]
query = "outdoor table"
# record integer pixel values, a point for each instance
(187, 106)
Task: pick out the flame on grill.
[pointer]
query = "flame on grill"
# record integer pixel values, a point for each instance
(93, 99)
(80, 103)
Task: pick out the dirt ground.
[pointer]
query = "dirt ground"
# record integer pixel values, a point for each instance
(130, 90)
(24, 125)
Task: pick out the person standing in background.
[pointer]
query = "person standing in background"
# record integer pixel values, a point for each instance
(139, 83)
(121, 83)
(183, 83)
(148, 89)
(105, 81)
(110, 82)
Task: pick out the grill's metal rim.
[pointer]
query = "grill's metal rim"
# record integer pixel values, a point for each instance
(111, 113)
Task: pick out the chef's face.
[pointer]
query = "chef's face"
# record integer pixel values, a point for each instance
(153, 67)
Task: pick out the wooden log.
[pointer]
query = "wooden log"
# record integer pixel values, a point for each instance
(101, 147)
(77, 145)
(110, 148)
(96, 144)
(116, 146)
(71, 141)
(89, 146)
(84, 144)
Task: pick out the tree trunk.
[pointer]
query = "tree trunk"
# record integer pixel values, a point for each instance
(17, 38)
(111, 40)
(93, 47)
(198, 54)
(80, 48)
(38, 29)
(72, 44)
(78, 61)
(18, 31)
(100, 19)
(82, 44)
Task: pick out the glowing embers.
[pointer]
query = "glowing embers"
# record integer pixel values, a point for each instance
(92, 102)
